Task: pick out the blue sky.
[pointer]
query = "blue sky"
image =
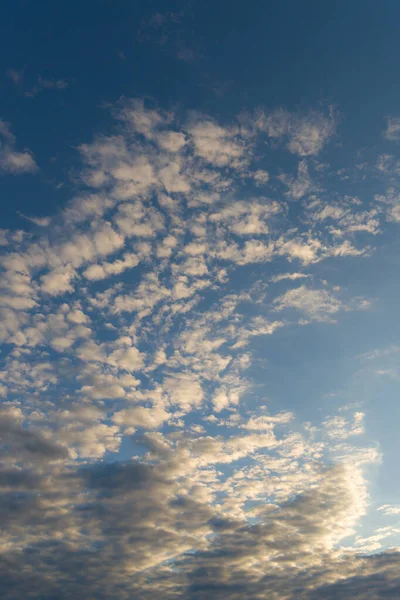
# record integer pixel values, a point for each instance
(199, 293)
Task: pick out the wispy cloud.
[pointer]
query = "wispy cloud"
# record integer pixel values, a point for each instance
(392, 132)
(11, 160)
(41, 83)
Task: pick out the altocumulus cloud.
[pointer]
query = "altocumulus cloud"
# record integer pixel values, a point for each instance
(134, 464)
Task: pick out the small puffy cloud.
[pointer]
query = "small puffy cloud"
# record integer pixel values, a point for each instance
(142, 119)
(173, 179)
(136, 220)
(77, 317)
(173, 141)
(102, 271)
(308, 135)
(184, 391)
(246, 218)
(394, 213)
(107, 240)
(260, 177)
(140, 416)
(225, 398)
(128, 358)
(112, 161)
(58, 281)
(308, 251)
(216, 145)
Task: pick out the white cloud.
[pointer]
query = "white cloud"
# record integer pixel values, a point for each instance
(341, 428)
(216, 145)
(246, 218)
(101, 271)
(307, 251)
(58, 281)
(316, 304)
(173, 179)
(389, 510)
(129, 359)
(291, 276)
(306, 135)
(134, 219)
(139, 416)
(267, 423)
(173, 141)
(77, 317)
(143, 120)
(184, 391)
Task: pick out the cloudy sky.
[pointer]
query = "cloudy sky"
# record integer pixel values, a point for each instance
(200, 257)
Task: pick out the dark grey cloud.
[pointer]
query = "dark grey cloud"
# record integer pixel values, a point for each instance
(128, 530)
(28, 441)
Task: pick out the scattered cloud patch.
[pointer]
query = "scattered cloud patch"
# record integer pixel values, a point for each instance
(392, 132)
(12, 160)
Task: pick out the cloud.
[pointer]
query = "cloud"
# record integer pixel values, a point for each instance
(184, 391)
(40, 221)
(141, 428)
(216, 145)
(30, 444)
(305, 135)
(42, 83)
(300, 185)
(246, 218)
(392, 132)
(58, 281)
(16, 76)
(139, 416)
(104, 270)
(291, 276)
(46, 84)
(142, 516)
(11, 160)
(389, 510)
(128, 358)
(316, 304)
(308, 251)
(260, 177)
(341, 428)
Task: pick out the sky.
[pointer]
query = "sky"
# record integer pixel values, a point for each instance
(200, 343)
